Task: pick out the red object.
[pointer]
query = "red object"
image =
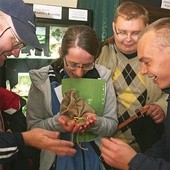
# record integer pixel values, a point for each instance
(9, 100)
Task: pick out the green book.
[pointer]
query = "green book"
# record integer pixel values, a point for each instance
(93, 92)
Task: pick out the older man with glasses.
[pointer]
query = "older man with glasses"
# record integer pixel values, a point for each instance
(18, 28)
(137, 95)
(16, 44)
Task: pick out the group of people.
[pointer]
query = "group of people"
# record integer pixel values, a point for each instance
(153, 52)
(109, 137)
(135, 93)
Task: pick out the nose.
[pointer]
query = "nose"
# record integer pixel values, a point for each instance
(143, 69)
(79, 72)
(16, 52)
(129, 37)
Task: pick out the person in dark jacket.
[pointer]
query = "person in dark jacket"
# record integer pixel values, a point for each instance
(17, 28)
(154, 54)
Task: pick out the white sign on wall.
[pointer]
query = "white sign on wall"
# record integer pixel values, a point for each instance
(63, 3)
(165, 4)
(47, 11)
(78, 14)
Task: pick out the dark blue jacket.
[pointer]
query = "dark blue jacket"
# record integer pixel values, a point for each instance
(10, 143)
(158, 157)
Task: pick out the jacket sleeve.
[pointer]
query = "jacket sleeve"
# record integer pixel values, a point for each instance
(156, 150)
(107, 122)
(39, 108)
(143, 162)
(10, 144)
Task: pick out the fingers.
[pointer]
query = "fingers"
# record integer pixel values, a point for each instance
(91, 117)
(52, 134)
(105, 141)
(152, 109)
(68, 124)
(63, 119)
(113, 143)
(144, 109)
(80, 124)
(117, 153)
(73, 127)
(155, 112)
(62, 148)
(77, 128)
(158, 118)
(49, 141)
(107, 148)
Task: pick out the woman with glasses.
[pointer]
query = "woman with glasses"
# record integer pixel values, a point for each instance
(78, 52)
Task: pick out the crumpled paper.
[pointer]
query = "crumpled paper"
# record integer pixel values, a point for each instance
(75, 107)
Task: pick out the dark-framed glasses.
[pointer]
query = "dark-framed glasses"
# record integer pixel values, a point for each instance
(74, 66)
(17, 44)
(4, 31)
(123, 34)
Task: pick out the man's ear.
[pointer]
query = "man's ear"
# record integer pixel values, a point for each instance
(113, 25)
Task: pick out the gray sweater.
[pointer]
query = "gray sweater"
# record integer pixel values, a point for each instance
(39, 111)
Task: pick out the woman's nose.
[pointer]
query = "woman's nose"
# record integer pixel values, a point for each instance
(79, 72)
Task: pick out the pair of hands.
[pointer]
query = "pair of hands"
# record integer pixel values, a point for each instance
(73, 126)
(48, 140)
(154, 111)
(116, 153)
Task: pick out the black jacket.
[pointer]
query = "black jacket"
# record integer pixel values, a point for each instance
(10, 143)
(158, 157)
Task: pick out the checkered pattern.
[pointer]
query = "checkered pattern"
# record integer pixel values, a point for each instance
(131, 92)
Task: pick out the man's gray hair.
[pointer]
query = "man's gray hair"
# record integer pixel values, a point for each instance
(161, 29)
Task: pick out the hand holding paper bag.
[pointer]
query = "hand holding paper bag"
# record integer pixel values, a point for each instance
(92, 91)
(77, 111)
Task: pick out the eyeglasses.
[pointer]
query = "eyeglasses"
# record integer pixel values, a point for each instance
(17, 44)
(124, 34)
(4, 31)
(74, 66)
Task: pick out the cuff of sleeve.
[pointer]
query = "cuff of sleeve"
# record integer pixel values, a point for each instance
(137, 161)
(19, 139)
